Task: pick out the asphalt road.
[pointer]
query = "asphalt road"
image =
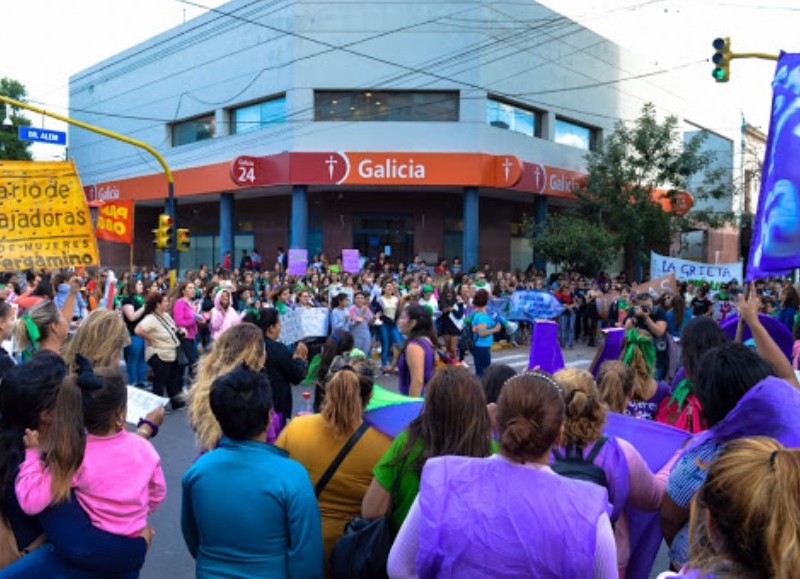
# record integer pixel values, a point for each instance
(169, 558)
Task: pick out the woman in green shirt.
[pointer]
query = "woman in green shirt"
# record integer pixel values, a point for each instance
(453, 421)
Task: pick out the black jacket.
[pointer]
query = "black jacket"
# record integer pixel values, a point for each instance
(283, 372)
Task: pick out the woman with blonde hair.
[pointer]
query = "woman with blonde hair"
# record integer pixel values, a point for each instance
(316, 440)
(639, 352)
(42, 327)
(101, 338)
(625, 474)
(746, 517)
(615, 383)
(241, 344)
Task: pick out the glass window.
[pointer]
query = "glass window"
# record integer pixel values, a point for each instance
(258, 115)
(193, 130)
(575, 135)
(513, 118)
(398, 106)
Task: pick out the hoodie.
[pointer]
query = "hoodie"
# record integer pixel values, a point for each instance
(221, 319)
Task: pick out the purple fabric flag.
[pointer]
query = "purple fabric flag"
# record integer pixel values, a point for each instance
(350, 260)
(657, 443)
(545, 351)
(775, 245)
(776, 329)
(298, 261)
(611, 348)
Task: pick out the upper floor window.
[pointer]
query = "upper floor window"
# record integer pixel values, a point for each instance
(371, 105)
(513, 118)
(575, 134)
(193, 130)
(258, 115)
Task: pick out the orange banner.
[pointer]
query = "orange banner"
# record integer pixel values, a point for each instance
(115, 222)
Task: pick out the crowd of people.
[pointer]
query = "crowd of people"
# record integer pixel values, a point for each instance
(500, 474)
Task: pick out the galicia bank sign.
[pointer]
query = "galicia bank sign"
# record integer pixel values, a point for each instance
(390, 169)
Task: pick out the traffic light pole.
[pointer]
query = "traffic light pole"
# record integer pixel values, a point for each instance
(171, 206)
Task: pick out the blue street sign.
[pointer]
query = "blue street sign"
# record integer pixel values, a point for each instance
(42, 135)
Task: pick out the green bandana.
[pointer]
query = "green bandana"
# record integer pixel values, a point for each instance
(634, 340)
(33, 336)
(681, 392)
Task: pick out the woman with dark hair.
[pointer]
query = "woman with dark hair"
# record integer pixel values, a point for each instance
(161, 338)
(471, 509)
(483, 329)
(340, 318)
(453, 420)
(452, 320)
(186, 316)
(417, 361)
(338, 343)
(132, 314)
(677, 314)
(493, 379)
(790, 303)
(230, 493)
(317, 439)
(743, 393)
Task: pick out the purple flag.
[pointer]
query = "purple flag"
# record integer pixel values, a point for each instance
(350, 260)
(611, 348)
(298, 261)
(776, 329)
(775, 246)
(545, 351)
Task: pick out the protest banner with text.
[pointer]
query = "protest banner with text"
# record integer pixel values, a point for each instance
(694, 272)
(115, 222)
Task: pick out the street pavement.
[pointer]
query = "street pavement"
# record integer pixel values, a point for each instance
(168, 556)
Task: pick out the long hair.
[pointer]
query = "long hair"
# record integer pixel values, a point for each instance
(337, 343)
(44, 314)
(585, 413)
(678, 309)
(751, 495)
(454, 419)
(642, 371)
(615, 382)
(347, 393)
(240, 344)
(100, 338)
(423, 327)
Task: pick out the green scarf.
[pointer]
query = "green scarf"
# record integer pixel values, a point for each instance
(634, 340)
(34, 335)
(681, 392)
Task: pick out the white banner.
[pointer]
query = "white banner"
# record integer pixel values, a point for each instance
(693, 271)
(303, 323)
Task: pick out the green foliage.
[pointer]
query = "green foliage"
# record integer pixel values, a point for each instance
(11, 148)
(573, 241)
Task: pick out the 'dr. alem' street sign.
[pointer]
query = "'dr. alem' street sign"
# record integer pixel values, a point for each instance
(42, 136)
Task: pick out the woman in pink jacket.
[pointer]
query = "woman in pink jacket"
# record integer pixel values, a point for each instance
(224, 315)
(185, 316)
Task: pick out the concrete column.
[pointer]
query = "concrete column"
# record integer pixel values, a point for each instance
(540, 218)
(227, 226)
(298, 229)
(471, 227)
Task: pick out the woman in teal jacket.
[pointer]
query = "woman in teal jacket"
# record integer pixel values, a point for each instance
(248, 510)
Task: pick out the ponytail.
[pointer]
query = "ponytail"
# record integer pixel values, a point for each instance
(66, 439)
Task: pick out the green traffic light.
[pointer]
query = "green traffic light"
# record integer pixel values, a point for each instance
(719, 75)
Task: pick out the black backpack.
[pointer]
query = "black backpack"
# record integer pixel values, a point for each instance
(574, 465)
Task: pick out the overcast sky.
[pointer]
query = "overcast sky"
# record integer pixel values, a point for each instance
(43, 42)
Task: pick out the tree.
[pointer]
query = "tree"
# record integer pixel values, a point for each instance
(630, 166)
(573, 241)
(11, 148)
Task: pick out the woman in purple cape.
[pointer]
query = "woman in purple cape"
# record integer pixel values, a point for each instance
(508, 515)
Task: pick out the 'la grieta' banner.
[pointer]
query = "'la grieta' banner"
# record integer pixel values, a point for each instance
(44, 219)
(693, 271)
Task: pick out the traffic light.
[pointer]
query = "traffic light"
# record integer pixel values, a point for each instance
(164, 233)
(184, 243)
(722, 59)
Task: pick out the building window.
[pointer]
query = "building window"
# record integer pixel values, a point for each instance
(514, 118)
(258, 115)
(575, 135)
(371, 105)
(193, 130)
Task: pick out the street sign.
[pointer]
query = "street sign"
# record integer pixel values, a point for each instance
(42, 135)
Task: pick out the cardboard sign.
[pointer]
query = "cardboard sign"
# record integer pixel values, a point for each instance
(350, 260)
(303, 323)
(115, 222)
(298, 261)
(44, 219)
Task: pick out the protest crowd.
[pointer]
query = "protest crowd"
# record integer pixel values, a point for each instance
(685, 427)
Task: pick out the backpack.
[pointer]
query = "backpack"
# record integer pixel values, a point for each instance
(689, 418)
(575, 466)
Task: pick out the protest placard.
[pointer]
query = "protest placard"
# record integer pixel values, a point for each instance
(115, 222)
(298, 262)
(303, 323)
(531, 305)
(694, 272)
(350, 260)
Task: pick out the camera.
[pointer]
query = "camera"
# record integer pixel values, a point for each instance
(645, 309)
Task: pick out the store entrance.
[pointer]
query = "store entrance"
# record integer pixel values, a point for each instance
(374, 233)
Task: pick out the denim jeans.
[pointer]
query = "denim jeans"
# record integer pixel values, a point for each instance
(43, 562)
(390, 335)
(134, 360)
(482, 357)
(566, 329)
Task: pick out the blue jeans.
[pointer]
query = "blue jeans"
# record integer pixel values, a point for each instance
(43, 562)
(566, 329)
(482, 357)
(390, 335)
(134, 360)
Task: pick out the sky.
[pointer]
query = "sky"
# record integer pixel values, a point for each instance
(53, 39)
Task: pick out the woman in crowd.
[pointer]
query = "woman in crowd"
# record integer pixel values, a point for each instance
(453, 420)
(615, 384)
(743, 393)
(483, 329)
(417, 361)
(678, 315)
(746, 517)
(639, 352)
(361, 322)
(223, 315)
(101, 338)
(337, 344)
(561, 530)
(132, 314)
(628, 478)
(242, 344)
(247, 510)
(280, 299)
(790, 303)
(451, 322)
(390, 335)
(42, 327)
(340, 317)
(28, 397)
(566, 321)
(160, 335)
(316, 440)
(186, 318)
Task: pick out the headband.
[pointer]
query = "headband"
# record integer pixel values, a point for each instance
(644, 344)
(542, 376)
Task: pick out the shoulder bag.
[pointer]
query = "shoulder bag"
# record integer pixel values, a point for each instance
(348, 446)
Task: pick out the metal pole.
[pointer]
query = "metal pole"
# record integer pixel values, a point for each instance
(171, 209)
